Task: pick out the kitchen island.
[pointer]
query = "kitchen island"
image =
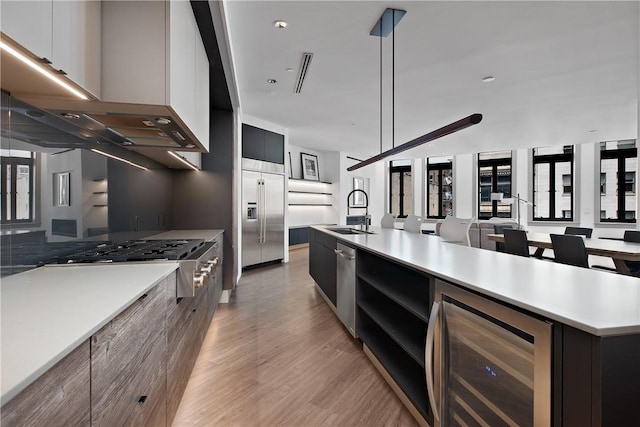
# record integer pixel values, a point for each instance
(595, 316)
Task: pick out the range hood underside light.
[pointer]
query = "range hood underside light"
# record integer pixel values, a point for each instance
(111, 156)
(464, 123)
(183, 160)
(22, 73)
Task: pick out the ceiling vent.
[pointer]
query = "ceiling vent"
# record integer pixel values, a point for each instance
(304, 69)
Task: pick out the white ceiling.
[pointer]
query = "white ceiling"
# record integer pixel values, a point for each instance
(562, 69)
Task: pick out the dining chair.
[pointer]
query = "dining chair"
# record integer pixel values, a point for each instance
(579, 231)
(515, 242)
(456, 230)
(388, 221)
(634, 237)
(412, 224)
(570, 249)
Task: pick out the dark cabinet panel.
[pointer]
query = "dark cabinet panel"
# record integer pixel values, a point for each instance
(260, 144)
(273, 147)
(322, 262)
(252, 142)
(298, 236)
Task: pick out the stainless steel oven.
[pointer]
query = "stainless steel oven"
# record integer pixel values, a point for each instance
(491, 364)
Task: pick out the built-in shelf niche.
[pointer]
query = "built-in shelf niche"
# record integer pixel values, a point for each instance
(304, 192)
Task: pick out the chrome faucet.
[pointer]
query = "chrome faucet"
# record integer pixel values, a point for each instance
(367, 217)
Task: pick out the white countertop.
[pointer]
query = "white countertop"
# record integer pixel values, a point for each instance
(598, 302)
(48, 311)
(207, 235)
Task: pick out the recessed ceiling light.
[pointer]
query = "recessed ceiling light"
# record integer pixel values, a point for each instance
(280, 24)
(290, 70)
(488, 79)
(272, 81)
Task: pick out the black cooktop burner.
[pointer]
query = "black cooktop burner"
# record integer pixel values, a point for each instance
(135, 250)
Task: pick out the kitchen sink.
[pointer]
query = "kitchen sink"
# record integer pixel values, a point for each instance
(349, 231)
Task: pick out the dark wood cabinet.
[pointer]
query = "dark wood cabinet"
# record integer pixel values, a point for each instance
(322, 262)
(260, 144)
(60, 397)
(128, 363)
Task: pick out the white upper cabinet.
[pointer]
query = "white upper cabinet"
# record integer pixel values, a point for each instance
(152, 53)
(66, 32)
(76, 42)
(29, 23)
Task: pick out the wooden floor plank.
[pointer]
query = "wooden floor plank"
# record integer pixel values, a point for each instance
(276, 355)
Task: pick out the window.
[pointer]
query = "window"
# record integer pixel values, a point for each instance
(553, 183)
(566, 184)
(401, 196)
(17, 189)
(630, 182)
(494, 176)
(439, 187)
(618, 168)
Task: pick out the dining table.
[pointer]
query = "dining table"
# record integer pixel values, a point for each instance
(618, 250)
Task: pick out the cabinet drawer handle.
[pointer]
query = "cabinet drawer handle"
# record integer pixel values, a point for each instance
(142, 399)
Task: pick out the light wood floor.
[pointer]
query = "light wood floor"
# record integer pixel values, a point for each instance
(276, 355)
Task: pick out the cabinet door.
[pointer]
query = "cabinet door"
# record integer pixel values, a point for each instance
(252, 142)
(202, 108)
(76, 42)
(128, 362)
(29, 23)
(273, 147)
(60, 397)
(182, 61)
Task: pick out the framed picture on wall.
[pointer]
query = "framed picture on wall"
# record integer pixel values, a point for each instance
(358, 198)
(61, 188)
(290, 166)
(310, 167)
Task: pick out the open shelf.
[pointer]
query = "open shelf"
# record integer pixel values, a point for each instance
(404, 370)
(310, 204)
(411, 298)
(410, 337)
(309, 180)
(406, 287)
(309, 192)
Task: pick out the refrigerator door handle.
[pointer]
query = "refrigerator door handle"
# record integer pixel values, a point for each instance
(261, 222)
(428, 363)
(259, 209)
(264, 216)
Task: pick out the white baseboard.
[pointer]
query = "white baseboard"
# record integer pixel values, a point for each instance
(224, 298)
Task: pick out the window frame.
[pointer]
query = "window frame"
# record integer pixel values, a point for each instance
(439, 167)
(401, 170)
(619, 154)
(552, 160)
(494, 163)
(15, 162)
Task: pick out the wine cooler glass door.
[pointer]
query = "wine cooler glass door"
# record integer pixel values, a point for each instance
(495, 363)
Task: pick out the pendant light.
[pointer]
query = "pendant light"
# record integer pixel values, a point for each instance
(385, 26)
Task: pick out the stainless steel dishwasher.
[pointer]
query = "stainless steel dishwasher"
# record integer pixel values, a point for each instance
(346, 286)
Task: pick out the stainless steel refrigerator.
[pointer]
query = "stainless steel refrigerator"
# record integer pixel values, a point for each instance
(262, 217)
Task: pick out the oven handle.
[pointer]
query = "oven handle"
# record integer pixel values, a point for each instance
(428, 355)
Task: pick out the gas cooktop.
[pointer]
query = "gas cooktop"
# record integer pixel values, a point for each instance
(135, 250)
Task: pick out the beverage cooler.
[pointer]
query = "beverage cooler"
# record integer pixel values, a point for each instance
(486, 364)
